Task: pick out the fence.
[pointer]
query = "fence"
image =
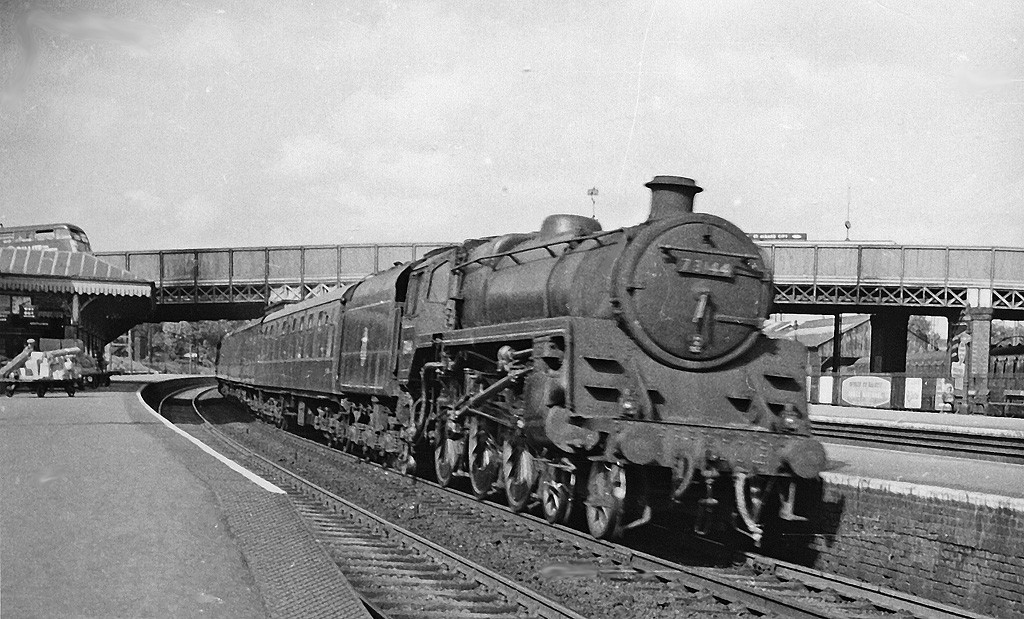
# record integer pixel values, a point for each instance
(911, 392)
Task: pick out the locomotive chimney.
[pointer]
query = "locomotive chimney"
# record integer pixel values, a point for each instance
(671, 196)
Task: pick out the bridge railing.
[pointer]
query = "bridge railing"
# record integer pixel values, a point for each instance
(314, 264)
(806, 273)
(890, 264)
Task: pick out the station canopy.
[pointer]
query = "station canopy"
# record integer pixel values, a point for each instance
(50, 270)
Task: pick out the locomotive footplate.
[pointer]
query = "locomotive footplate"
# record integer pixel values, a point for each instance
(684, 447)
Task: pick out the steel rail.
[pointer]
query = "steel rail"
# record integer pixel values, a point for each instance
(532, 601)
(754, 596)
(979, 446)
(847, 586)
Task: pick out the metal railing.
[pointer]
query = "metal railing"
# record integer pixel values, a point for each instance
(806, 273)
(873, 263)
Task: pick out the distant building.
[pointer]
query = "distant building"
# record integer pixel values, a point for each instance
(817, 334)
(855, 345)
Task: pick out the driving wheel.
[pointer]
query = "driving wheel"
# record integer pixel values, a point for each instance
(606, 494)
(484, 460)
(520, 471)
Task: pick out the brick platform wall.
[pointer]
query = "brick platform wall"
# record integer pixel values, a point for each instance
(960, 548)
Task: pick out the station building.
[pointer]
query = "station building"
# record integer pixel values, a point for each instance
(55, 294)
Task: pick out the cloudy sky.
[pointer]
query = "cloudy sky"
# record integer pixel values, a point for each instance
(161, 124)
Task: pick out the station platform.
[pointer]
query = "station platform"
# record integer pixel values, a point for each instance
(966, 424)
(963, 479)
(941, 477)
(107, 511)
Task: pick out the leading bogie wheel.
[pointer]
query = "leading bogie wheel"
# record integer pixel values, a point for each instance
(606, 499)
(520, 472)
(484, 459)
(70, 389)
(40, 392)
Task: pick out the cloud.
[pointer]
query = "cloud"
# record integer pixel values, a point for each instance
(141, 200)
(312, 122)
(198, 212)
(82, 26)
(209, 41)
(309, 158)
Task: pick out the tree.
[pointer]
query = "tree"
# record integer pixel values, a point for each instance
(1005, 330)
(921, 335)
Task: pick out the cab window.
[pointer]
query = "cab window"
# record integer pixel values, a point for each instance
(438, 292)
(412, 293)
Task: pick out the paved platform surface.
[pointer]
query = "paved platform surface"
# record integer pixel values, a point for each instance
(107, 512)
(967, 424)
(978, 477)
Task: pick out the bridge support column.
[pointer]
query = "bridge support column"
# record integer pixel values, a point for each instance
(837, 343)
(889, 341)
(979, 325)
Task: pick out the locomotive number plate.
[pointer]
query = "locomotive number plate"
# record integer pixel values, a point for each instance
(704, 265)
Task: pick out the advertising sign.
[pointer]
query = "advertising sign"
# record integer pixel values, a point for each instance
(778, 236)
(913, 392)
(866, 391)
(825, 390)
(957, 371)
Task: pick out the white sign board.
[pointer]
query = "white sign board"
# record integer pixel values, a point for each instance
(866, 391)
(912, 393)
(825, 390)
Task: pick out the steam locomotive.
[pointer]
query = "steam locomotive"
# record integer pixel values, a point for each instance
(618, 372)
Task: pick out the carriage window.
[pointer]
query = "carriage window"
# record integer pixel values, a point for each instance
(276, 329)
(307, 350)
(292, 338)
(303, 337)
(321, 335)
(310, 336)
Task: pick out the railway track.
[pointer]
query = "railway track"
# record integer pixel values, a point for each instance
(919, 438)
(635, 583)
(398, 574)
